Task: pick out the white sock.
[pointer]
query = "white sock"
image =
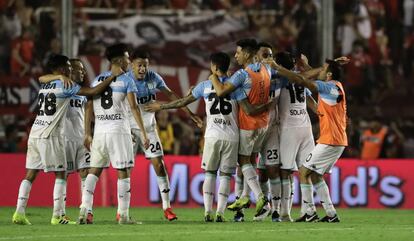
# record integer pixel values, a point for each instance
(323, 193)
(223, 194)
(83, 188)
(209, 187)
(164, 186)
(276, 193)
(307, 205)
(250, 175)
(292, 193)
(24, 192)
(89, 189)
(246, 189)
(63, 211)
(265, 188)
(124, 196)
(58, 196)
(238, 186)
(285, 201)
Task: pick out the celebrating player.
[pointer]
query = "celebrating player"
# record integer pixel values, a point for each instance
(45, 145)
(112, 140)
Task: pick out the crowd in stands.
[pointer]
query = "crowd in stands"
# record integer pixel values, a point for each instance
(377, 35)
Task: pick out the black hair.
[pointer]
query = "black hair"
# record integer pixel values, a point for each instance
(140, 53)
(222, 60)
(285, 59)
(334, 68)
(248, 44)
(116, 50)
(56, 61)
(264, 45)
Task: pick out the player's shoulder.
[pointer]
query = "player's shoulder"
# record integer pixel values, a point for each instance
(255, 67)
(152, 76)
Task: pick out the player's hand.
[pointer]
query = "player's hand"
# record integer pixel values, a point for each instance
(343, 60)
(304, 59)
(190, 90)
(198, 121)
(271, 62)
(152, 107)
(87, 142)
(67, 82)
(146, 142)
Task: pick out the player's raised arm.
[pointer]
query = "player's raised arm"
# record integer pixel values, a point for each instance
(132, 100)
(87, 91)
(253, 110)
(222, 89)
(312, 104)
(89, 115)
(178, 103)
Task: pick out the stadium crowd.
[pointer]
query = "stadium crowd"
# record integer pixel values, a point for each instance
(377, 35)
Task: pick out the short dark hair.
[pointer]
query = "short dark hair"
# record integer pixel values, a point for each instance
(116, 50)
(222, 60)
(140, 53)
(264, 45)
(56, 61)
(285, 59)
(334, 68)
(75, 60)
(248, 44)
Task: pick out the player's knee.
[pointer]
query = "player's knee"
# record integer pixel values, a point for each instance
(225, 174)
(273, 172)
(263, 177)
(31, 175)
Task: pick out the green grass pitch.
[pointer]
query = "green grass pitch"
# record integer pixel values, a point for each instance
(357, 224)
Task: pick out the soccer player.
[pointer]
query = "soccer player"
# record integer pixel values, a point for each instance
(331, 143)
(45, 145)
(148, 84)
(112, 140)
(254, 79)
(77, 156)
(221, 135)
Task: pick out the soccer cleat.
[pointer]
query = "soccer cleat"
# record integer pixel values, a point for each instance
(275, 216)
(117, 217)
(308, 218)
(127, 220)
(61, 220)
(208, 218)
(286, 218)
(260, 204)
(327, 219)
(89, 218)
(169, 214)
(263, 214)
(243, 202)
(239, 216)
(220, 218)
(21, 219)
(83, 216)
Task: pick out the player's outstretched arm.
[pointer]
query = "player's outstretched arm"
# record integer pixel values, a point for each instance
(67, 82)
(132, 100)
(312, 104)
(87, 91)
(179, 103)
(89, 115)
(253, 110)
(222, 89)
(172, 96)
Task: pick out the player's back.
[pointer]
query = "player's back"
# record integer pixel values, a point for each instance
(74, 119)
(257, 89)
(110, 107)
(52, 104)
(292, 106)
(332, 109)
(221, 112)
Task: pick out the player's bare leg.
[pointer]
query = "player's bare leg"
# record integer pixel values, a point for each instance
(323, 192)
(164, 186)
(275, 190)
(308, 210)
(19, 216)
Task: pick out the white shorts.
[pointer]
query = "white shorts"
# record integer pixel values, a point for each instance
(251, 141)
(295, 146)
(155, 148)
(220, 155)
(77, 156)
(270, 152)
(46, 153)
(114, 148)
(323, 158)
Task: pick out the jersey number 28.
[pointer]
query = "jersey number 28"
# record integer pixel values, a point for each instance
(50, 104)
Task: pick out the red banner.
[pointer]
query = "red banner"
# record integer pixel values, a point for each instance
(353, 183)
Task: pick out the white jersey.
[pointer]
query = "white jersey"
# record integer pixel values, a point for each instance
(74, 121)
(53, 101)
(274, 96)
(146, 93)
(292, 106)
(222, 112)
(110, 107)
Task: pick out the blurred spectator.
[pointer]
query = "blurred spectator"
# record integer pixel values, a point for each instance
(363, 23)
(55, 48)
(286, 33)
(346, 34)
(373, 140)
(165, 132)
(9, 144)
(25, 13)
(22, 54)
(408, 15)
